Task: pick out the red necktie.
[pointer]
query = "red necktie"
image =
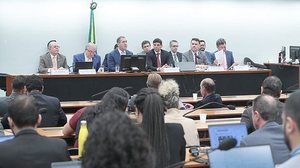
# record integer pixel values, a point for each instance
(196, 58)
(158, 60)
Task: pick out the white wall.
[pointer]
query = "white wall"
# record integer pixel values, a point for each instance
(256, 29)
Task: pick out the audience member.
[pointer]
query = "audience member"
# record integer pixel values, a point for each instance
(158, 58)
(52, 59)
(271, 86)
(167, 140)
(227, 59)
(291, 129)
(207, 90)
(193, 55)
(268, 132)
(105, 61)
(114, 141)
(28, 148)
(176, 56)
(146, 46)
(169, 90)
(89, 55)
(209, 56)
(114, 57)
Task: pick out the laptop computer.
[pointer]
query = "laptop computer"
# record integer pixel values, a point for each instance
(242, 157)
(218, 133)
(83, 65)
(186, 66)
(67, 164)
(6, 137)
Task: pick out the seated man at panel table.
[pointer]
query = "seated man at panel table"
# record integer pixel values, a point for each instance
(193, 55)
(105, 61)
(49, 107)
(209, 56)
(146, 46)
(114, 58)
(176, 56)
(271, 86)
(89, 55)
(207, 90)
(222, 56)
(158, 58)
(52, 59)
(28, 148)
(267, 132)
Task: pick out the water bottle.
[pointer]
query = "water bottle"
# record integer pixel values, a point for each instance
(83, 133)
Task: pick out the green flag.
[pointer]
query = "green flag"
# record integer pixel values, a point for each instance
(92, 31)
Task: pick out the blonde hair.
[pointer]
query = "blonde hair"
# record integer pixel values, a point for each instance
(169, 90)
(153, 80)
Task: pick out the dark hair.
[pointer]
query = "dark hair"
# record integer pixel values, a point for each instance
(145, 42)
(150, 104)
(115, 46)
(114, 141)
(18, 83)
(220, 41)
(292, 106)
(23, 111)
(201, 41)
(266, 106)
(195, 39)
(272, 86)
(157, 40)
(48, 44)
(34, 82)
(119, 39)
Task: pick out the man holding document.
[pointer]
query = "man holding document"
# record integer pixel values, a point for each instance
(223, 57)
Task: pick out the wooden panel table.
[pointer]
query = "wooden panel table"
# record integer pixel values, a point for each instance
(215, 113)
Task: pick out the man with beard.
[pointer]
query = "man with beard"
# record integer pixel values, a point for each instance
(291, 128)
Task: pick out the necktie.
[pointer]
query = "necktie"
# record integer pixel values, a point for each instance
(158, 60)
(224, 62)
(196, 62)
(54, 62)
(175, 58)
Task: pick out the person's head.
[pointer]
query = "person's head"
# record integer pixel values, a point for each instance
(23, 113)
(115, 141)
(53, 47)
(116, 98)
(221, 44)
(169, 90)
(157, 44)
(174, 46)
(291, 120)
(122, 43)
(272, 86)
(153, 80)
(202, 45)
(90, 50)
(207, 86)
(18, 84)
(264, 110)
(195, 44)
(146, 46)
(34, 82)
(115, 46)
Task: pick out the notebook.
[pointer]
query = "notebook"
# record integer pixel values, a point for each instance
(186, 66)
(217, 133)
(242, 157)
(67, 164)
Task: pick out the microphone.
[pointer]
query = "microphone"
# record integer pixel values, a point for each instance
(230, 107)
(246, 59)
(227, 144)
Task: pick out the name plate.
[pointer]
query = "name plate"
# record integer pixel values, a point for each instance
(175, 69)
(241, 68)
(87, 71)
(215, 68)
(59, 71)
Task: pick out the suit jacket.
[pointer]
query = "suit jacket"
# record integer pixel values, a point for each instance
(213, 97)
(247, 116)
(189, 57)
(105, 62)
(165, 58)
(179, 58)
(114, 58)
(29, 149)
(46, 62)
(210, 57)
(81, 58)
(4, 103)
(270, 134)
(229, 57)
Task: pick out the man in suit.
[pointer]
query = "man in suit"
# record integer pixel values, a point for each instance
(193, 55)
(146, 46)
(207, 90)
(271, 86)
(89, 55)
(291, 129)
(209, 56)
(52, 59)
(28, 148)
(267, 132)
(176, 56)
(18, 88)
(105, 61)
(158, 58)
(48, 106)
(114, 57)
(223, 57)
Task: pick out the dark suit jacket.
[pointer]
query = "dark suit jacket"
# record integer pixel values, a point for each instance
(165, 58)
(176, 142)
(270, 134)
(210, 57)
(4, 103)
(210, 98)
(114, 58)
(229, 57)
(81, 58)
(179, 58)
(29, 149)
(105, 62)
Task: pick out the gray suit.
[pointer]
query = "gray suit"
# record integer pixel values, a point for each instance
(46, 62)
(189, 57)
(179, 58)
(270, 134)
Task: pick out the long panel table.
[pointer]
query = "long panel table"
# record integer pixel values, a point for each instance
(74, 87)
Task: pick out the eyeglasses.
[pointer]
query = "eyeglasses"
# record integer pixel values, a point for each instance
(175, 46)
(90, 51)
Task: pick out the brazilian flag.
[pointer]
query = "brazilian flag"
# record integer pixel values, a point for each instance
(92, 31)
